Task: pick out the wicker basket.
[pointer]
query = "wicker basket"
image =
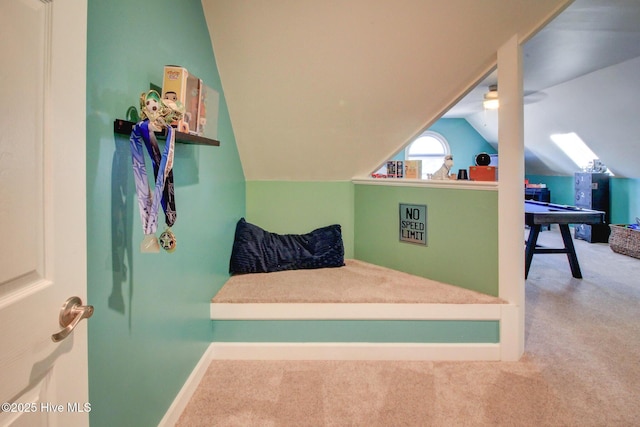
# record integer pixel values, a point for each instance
(624, 240)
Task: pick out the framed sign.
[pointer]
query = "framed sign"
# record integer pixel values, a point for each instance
(413, 223)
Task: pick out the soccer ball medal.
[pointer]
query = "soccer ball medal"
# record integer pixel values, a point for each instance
(168, 240)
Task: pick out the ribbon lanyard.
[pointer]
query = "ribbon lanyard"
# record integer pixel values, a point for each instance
(168, 194)
(148, 203)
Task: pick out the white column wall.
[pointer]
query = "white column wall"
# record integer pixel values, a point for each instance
(511, 194)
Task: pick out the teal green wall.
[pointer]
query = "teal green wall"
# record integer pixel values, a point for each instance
(624, 195)
(465, 142)
(151, 323)
(462, 234)
(289, 207)
(625, 200)
(462, 223)
(561, 187)
(378, 331)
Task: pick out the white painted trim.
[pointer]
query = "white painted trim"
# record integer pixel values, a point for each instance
(188, 389)
(361, 311)
(511, 338)
(354, 351)
(510, 207)
(431, 183)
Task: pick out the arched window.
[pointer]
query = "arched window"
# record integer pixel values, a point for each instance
(430, 147)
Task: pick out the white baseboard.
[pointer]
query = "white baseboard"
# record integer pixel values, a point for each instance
(512, 333)
(186, 392)
(354, 311)
(354, 351)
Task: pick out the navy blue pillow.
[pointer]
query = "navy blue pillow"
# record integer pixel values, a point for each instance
(258, 251)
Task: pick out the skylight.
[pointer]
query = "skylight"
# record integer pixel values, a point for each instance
(576, 149)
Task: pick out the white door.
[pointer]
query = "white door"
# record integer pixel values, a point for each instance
(42, 211)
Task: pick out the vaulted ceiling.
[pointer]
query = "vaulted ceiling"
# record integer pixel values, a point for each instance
(580, 75)
(328, 90)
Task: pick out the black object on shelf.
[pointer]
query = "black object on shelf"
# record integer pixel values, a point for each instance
(483, 159)
(124, 127)
(592, 192)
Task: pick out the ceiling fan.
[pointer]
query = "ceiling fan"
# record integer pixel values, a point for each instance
(472, 103)
(491, 101)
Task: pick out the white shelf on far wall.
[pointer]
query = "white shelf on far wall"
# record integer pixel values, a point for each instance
(453, 184)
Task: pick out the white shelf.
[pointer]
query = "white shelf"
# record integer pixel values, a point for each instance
(432, 183)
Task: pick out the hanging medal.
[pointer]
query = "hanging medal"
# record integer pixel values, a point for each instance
(156, 114)
(167, 239)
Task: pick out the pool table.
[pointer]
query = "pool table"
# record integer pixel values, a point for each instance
(538, 214)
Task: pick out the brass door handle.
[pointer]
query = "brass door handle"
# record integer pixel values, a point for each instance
(71, 313)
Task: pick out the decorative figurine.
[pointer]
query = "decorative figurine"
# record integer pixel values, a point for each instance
(443, 172)
(160, 112)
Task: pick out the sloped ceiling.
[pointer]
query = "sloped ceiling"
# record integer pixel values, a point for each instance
(601, 107)
(580, 75)
(328, 90)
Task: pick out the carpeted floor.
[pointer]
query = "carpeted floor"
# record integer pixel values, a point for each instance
(581, 367)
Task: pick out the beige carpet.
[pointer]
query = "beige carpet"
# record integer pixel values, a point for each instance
(581, 367)
(356, 282)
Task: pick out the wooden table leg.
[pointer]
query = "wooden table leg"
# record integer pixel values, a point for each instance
(534, 230)
(571, 251)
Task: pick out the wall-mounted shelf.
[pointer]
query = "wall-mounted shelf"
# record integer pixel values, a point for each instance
(124, 127)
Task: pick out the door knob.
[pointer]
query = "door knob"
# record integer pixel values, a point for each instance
(71, 313)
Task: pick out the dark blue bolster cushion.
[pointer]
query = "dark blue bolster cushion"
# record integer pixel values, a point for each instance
(258, 251)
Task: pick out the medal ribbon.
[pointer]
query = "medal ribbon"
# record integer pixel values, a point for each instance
(168, 194)
(148, 203)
